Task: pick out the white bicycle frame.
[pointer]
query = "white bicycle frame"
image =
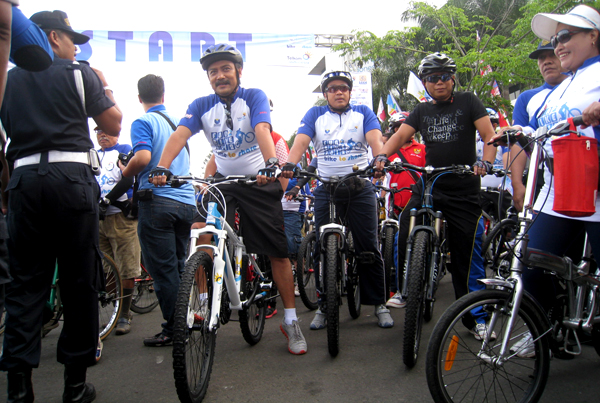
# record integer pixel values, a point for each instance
(224, 272)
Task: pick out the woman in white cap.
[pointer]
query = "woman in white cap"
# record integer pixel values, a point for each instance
(575, 38)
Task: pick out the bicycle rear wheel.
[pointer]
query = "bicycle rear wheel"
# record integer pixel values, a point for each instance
(193, 341)
(252, 318)
(109, 301)
(144, 298)
(332, 281)
(460, 368)
(415, 301)
(306, 271)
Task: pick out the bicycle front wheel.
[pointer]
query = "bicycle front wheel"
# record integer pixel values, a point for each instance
(387, 246)
(193, 341)
(332, 281)
(352, 280)
(415, 301)
(109, 301)
(306, 273)
(460, 368)
(252, 318)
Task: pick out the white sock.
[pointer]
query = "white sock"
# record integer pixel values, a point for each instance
(289, 315)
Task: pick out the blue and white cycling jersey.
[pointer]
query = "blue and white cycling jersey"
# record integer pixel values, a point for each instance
(339, 140)
(236, 150)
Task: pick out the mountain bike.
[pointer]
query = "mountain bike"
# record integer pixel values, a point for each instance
(305, 270)
(109, 300)
(212, 286)
(460, 368)
(337, 266)
(144, 298)
(426, 255)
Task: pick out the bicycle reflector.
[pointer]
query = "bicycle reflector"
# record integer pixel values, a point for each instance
(451, 354)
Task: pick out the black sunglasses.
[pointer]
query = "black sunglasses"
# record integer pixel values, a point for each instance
(435, 79)
(563, 36)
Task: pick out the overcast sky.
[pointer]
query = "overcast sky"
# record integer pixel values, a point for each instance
(290, 88)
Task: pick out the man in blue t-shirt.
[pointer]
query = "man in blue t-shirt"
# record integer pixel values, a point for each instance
(165, 214)
(341, 134)
(237, 124)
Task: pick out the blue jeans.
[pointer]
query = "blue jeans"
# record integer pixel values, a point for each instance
(164, 228)
(293, 223)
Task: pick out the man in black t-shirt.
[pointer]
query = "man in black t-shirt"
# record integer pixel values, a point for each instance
(53, 209)
(448, 125)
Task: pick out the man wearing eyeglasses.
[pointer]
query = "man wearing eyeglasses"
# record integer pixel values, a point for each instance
(341, 134)
(448, 125)
(53, 209)
(237, 124)
(527, 106)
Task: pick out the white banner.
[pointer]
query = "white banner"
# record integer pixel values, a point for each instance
(362, 90)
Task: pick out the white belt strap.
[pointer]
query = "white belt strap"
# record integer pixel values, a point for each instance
(54, 156)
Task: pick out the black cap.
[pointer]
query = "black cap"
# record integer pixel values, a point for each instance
(542, 47)
(58, 20)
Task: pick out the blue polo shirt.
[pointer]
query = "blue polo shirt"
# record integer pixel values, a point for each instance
(151, 132)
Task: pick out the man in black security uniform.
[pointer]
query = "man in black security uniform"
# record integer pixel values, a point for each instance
(448, 125)
(53, 209)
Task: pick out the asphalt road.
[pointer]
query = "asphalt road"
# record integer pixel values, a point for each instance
(368, 368)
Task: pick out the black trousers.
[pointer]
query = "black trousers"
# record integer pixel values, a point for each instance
(52, 220)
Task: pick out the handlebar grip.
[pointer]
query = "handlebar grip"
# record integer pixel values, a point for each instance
(578, 120)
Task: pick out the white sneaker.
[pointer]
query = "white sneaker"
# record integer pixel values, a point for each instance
(296, 341)
(383, 314)
(396, 301)
(296, 290)
(480, 331)
(525, 348)
(319, 321)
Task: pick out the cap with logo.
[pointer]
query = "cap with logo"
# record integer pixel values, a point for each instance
(58, 20)
(544, 24)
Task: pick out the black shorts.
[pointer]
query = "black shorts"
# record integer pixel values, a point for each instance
(260, 213)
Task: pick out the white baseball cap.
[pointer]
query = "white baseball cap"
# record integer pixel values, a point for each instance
(544, 24)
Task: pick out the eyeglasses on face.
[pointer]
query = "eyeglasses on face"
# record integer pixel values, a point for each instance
(335, 88)
(98, 131)
(563, 36)
(434, 79)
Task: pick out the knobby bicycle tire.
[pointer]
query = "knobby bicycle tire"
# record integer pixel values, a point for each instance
(193, 341)
(388, 257)
(306, 272)
(461, 368)
(252, 318)
(496, 248)
(352, 280)
(144, 298)
(332, 269)
(109, 301)
(415, 301)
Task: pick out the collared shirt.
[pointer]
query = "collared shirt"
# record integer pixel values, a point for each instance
(528, 103)
(236, 150)
(151, 132)
(339, 139)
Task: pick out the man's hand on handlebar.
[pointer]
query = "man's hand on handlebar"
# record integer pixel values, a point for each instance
(482, 168)
(591, 115)
(269, 173)
(289, 170)
(379, 163)
(159, 176)
(292, 193)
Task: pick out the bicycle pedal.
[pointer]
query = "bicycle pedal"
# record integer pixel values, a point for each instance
(266, 286)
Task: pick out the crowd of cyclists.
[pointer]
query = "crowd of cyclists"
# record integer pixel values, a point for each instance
(455, 129)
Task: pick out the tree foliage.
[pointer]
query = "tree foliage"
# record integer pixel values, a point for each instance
(475, 33)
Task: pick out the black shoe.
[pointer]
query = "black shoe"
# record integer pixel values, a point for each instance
(158, 340)
(20, 389)
(76, 389)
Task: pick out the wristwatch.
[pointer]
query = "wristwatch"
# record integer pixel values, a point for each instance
(273, 161)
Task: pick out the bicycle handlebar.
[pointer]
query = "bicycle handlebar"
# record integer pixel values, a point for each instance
(400, 166)
(365, 172)
(183, 179)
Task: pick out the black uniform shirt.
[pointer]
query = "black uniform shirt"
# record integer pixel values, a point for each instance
(42, 111)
